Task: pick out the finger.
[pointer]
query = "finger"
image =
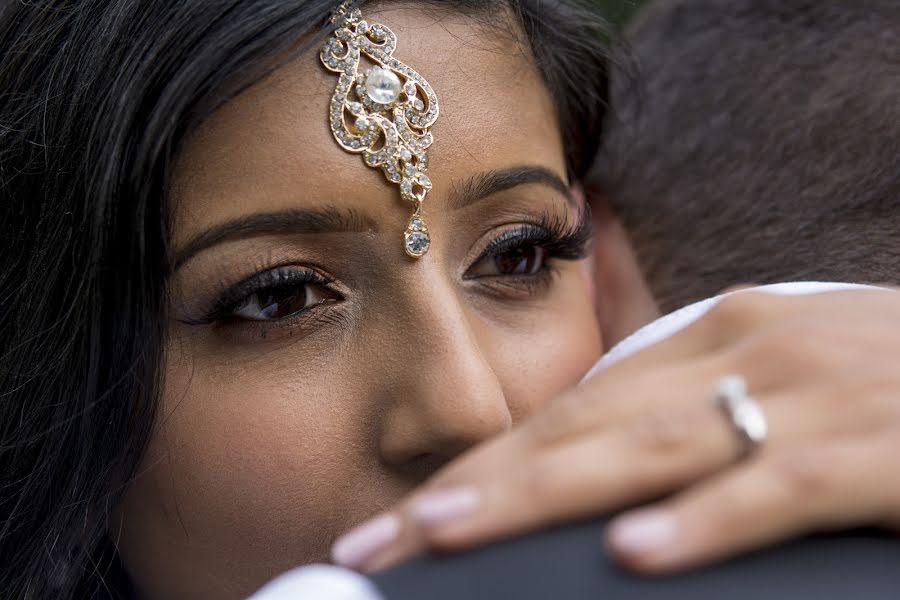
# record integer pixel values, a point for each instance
(389, 538)
(510, 461)
(761, 502)
(645, 458)
(649, 455)
(619, 395)
(437, 503)
(588, 477)
(575, 413)
(652, 454)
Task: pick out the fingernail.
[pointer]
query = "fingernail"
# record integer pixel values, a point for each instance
(445, 505)
(354, 548)
(643, 532)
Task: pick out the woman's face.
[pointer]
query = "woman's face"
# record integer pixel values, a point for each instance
(314, 372)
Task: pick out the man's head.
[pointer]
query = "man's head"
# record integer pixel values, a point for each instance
(758, 142)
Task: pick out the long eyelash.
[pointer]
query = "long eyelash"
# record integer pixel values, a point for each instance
(560, 239)
(234, 296)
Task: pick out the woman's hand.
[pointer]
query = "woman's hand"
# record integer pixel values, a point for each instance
(824, 368)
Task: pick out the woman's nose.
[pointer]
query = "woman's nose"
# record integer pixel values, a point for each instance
(447, 397)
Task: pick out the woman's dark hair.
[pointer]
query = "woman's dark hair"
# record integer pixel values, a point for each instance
(96, 97)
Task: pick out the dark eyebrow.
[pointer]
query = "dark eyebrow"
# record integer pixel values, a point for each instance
(294, 220)
(481, 186)
(333, 219)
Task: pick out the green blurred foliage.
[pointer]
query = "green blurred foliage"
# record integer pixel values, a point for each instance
(619, 11)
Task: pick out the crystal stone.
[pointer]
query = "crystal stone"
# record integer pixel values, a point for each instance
(417, 225)
(383, 86)
(417, 243)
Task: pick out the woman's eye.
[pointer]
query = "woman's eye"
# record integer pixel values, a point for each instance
(524, 260)
(280, 302)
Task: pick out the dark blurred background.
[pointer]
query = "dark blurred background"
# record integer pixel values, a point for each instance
(619, 11)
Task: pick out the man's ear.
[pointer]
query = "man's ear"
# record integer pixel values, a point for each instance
(622, 299)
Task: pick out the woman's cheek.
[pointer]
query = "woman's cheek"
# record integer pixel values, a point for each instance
(557, 347)
(246, 474)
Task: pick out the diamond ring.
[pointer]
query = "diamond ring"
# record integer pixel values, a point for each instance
(744, 413)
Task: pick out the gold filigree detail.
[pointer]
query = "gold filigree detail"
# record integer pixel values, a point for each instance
(384, 113)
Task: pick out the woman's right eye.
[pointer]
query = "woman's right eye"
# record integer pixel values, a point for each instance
(276, 295)
(281, 302)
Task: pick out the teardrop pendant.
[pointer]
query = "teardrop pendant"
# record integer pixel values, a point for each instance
(416, 239)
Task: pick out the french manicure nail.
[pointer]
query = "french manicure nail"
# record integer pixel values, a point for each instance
(354, 548)
(445, 505)
(644, 532)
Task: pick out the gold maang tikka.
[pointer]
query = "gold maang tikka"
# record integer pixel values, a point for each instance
(384, 113)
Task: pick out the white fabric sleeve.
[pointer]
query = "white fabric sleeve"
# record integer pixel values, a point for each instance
(318, 582)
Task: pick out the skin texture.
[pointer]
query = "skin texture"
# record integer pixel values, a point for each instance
(275, 438)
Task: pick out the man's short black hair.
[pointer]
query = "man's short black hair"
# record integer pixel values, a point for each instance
(758, 142)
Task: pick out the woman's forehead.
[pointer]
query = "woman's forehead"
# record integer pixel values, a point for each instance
(271, 148)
